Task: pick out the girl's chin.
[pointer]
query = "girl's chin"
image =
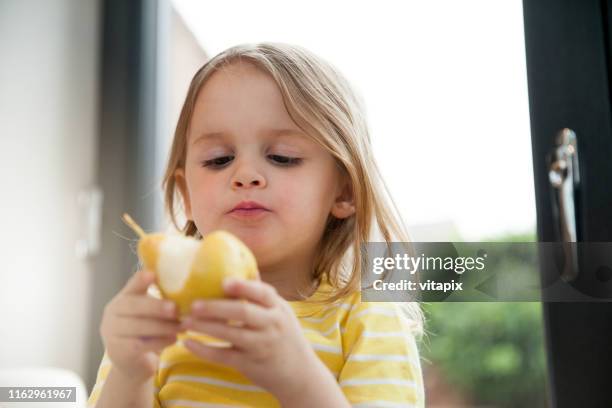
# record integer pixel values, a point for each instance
(261, 246)
(252, 238)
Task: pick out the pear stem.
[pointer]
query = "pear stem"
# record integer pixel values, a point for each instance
(132, 224)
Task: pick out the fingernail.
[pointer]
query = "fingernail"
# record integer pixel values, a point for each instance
(198, 305)
(228, 282)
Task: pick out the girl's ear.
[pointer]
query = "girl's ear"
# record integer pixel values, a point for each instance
(181, 183)
(344, 205)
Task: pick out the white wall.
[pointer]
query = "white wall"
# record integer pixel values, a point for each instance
(48, 102)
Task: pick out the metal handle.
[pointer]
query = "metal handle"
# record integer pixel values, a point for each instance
(564, 176)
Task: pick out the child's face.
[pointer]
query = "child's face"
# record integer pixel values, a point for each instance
(243, 106)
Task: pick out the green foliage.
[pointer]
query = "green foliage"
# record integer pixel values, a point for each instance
(493, 352)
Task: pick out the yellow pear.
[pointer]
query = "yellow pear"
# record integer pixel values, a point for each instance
(188, 269)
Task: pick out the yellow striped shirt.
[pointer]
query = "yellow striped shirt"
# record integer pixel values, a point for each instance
(368, 346)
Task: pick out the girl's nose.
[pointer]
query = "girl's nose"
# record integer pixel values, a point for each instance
(247, 179)
(258, 182)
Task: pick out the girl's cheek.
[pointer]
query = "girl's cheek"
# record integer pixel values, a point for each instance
(288, 188)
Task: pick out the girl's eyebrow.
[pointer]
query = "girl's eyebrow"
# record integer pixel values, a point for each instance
(207, 136)
(274, 132)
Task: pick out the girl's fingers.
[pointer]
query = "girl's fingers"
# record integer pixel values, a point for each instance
(222, 310)
(138, 326)
(156, 344)
(145, 306)
(255, 291)
(230, 356)
(138, 283)
(240, 338)
(135, 346)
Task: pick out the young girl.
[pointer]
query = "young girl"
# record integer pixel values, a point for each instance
(271, 145)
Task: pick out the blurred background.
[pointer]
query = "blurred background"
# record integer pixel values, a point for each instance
(90, 94)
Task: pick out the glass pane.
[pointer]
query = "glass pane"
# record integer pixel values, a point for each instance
(445, 89)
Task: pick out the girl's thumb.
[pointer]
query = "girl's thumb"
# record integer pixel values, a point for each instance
(147, 277)
(140, 281)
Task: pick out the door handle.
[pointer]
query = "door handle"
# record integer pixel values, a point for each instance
(564, 176)
(89, 201)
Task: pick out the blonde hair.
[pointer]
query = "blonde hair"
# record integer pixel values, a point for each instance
(321, 102)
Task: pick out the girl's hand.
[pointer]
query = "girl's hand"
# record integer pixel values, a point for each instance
(135, 328)
(268, 347)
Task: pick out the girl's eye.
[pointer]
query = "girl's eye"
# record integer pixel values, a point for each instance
(284, 160)
(217, 162)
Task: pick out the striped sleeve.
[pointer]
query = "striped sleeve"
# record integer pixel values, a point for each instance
(103, 370)
(381, 359)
